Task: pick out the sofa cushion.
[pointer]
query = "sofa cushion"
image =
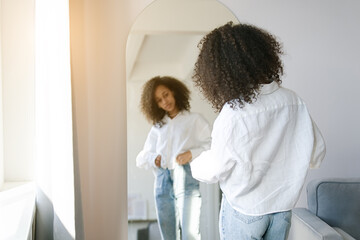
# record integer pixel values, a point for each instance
(336, 201)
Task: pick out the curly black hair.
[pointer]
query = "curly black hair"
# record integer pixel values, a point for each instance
(148, 104)
(234, 61)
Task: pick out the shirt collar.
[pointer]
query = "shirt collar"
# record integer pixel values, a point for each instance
(167, 118)
(269, 88)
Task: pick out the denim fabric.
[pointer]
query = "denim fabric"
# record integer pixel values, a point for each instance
(188, 202)
(165, 203)
(178, 203)
(234, 225)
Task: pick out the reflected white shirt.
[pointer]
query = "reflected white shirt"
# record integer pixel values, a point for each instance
(260, 154)
(186, 131)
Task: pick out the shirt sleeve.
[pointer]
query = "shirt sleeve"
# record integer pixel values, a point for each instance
(146, 158)
(319, 148)
(203, 137)
(215, 164)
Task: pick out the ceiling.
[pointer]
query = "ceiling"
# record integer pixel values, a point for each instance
(150, 55)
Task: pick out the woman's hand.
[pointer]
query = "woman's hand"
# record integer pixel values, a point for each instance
(158, 161)
(184, 158)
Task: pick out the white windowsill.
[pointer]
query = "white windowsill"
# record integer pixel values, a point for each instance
(17, 210)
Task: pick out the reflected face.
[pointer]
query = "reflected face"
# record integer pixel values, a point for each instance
(165, 100)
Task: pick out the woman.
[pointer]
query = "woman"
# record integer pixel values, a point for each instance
(177, 136)
(263, 140)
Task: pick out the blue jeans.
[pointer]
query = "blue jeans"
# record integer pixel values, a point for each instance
(178, 203)
(236, 226)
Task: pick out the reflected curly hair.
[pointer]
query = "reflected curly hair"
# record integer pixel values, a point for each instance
(148, 104)
(234, 61)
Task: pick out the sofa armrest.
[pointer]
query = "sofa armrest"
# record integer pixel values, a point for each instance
(344, 234)
(305, 225)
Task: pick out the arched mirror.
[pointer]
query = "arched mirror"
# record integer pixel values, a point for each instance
(163, 41)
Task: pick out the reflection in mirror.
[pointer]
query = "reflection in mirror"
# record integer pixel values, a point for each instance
(163, 41)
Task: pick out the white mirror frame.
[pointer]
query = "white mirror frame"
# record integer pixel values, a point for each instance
(164, 26)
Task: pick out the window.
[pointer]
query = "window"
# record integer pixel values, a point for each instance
(17, 96)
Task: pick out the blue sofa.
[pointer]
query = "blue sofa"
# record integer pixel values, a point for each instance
(333, 211)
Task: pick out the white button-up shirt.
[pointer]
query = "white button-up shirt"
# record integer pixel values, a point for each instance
(186, 131)
(260, 154)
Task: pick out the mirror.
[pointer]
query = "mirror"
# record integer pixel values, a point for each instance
(163, 41)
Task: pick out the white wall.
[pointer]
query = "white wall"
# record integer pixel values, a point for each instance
(98, 36)
(321, 41)
(1, 109)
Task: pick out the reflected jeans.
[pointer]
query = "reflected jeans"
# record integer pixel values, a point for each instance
(178, 203)
(234, 225)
